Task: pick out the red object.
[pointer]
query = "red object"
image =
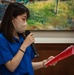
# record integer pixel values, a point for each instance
(64, 54)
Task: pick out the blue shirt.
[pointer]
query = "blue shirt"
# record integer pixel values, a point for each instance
(8, 50)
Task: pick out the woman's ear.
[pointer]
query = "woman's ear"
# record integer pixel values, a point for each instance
(14, 21)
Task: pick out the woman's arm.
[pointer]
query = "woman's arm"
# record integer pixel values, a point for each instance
(38, 65)
(41, 64)
(12, 64)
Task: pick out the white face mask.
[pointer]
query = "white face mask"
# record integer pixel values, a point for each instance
(20, 27)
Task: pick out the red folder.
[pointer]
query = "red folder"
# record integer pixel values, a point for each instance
(64, 54)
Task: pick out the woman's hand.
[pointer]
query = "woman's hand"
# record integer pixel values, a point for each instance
(49, 58)
(28, 41)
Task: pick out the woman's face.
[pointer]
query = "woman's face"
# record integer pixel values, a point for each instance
(20, 23)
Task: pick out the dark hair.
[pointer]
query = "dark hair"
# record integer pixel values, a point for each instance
(13, 10)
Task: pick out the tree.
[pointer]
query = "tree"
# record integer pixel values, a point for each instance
(56, 7)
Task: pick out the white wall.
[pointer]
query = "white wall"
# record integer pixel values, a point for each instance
(54, 36)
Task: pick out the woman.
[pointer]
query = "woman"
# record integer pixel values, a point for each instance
(15, 51)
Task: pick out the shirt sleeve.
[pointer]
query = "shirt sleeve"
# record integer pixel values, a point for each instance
(5, 54)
